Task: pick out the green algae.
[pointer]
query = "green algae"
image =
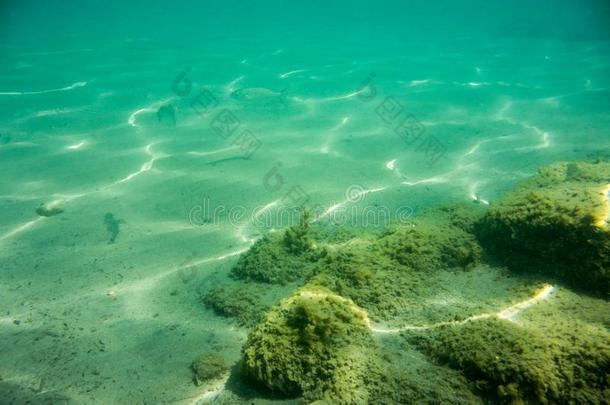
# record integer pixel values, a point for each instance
(552, 224)
(297, 238)
(242, 302)
(502, 360)
(208, 366)
(318, 343)
(245, 302)
(313, 344)
(388, 273)
(510, 363)
(270, 261)
(280, 258)
(426, 246)
(375, 282)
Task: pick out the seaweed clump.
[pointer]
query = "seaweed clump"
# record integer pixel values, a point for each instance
(555, 224)
(432, 245)
(241, 302)
(313, 344)
(279, 258)
(511, 364)
(297, 238)
(387, 274)
(319, 346)
(208, 366)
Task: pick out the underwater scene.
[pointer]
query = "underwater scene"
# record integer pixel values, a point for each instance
(293, 203)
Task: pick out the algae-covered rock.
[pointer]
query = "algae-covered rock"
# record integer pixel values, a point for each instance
(556, 224)
(269, 261)
(389, 274)
(372, 280)
(511, 363)
(431, 246)
(313, 344)
(242, 301)
(280, 258)
(503, 360)
(208, 366)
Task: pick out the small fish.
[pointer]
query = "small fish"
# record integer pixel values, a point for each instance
(258, 94)
(4, 139)
(166, 114)
(112, 226)
(48, 212)
(229, 159)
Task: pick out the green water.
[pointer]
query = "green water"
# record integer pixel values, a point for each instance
(173, 135)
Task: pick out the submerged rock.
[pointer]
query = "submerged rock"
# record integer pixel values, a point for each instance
(208, 366)
(314, 344)
(555, 223)
(245, 302)
(280, 259)
(326, 341)
(513, 364)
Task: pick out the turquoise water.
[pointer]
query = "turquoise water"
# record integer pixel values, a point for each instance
(163, 139)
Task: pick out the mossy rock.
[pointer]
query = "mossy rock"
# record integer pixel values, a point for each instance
(555, 224)
(270, 261)
(313, 344)
(241, 301)
(208, 366)
(389, 273)
(425, 246)
(581, 356)
(372, 280)
(463, 216)
(509, 363)
(501, 359)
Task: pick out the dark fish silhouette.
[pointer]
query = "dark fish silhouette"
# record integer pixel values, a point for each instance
(166, 114)
(260, 95)
(229, 159)
(112, 226)
(48, 212)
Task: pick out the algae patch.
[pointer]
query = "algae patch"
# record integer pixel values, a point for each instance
(552, 224)
(320, 343)
(314, 344)
(208, 366)
(510, 363)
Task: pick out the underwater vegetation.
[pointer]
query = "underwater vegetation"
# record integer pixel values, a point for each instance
(555, 224)
(297, 238)
(280, 259)
(320, 343)
(314, 344)
(512, 364)
(389, 272)
(243, 301)
(208, 366)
